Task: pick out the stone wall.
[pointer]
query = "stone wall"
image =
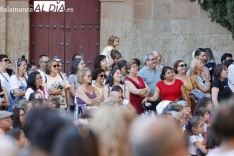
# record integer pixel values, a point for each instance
(14, 32)
(174, 27)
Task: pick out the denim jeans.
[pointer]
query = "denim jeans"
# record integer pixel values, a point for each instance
(13, 102)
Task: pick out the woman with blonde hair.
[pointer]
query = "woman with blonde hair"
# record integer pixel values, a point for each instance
(114, 142)
(86, 95)
(201, 81)
(56, 84)
(18, 82)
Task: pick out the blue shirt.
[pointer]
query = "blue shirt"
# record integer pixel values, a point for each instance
(151, 78)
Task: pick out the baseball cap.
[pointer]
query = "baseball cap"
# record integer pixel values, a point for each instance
(5, 114)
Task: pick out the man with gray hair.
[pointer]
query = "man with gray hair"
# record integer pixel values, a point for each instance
(160, 137)
(42, 63)
(150, 74)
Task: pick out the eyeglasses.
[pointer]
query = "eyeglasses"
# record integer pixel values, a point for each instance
(39, 78)
(102, 76)
(154, 59)
(182, 65)
(6, 60)
(56, 65)
(23, 114)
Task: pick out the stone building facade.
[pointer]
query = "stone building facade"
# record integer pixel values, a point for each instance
(174, 27)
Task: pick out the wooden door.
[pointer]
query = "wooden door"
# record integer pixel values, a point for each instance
(64, 34)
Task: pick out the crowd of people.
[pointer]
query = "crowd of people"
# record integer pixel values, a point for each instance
(120, 108)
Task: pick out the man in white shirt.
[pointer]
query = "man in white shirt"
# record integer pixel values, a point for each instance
(201, 55)
(231, 77)
(42, 63)
(158, 59)
(4, 76)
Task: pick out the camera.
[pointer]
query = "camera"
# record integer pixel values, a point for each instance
(60, 87)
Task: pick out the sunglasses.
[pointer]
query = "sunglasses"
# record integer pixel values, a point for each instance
(56, 65)
(6, 60)
(182, 65)
(103, 76)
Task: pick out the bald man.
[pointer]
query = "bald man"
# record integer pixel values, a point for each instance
(158, 59)
(157, 138)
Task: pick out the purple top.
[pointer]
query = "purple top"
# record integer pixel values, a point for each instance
(81, 103)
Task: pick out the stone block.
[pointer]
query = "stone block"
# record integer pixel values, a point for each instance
(17, 28)
(185, 42)
(142, 24)
(162, 9)
(219, 42)
(180, 10)
(142, 10)
(128, 11)
(162, 29)
(142, 1)
(112, 10)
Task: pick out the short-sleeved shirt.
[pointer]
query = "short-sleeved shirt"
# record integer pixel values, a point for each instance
(72, 79)
(192, 149)
(5, 79)
(52, 83)
(29, 91)
(19, 83)
(150, 78)
(106, 50)
(231, 77)
(224, 90)
(170, 92)
(41, 72)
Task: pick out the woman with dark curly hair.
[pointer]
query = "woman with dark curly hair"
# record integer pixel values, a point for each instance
(34, 83)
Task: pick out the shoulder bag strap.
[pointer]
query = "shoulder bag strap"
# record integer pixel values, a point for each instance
(4, 76)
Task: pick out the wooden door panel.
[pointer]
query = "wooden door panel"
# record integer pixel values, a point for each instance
(92, 12)
(39, 37)
(56, 35)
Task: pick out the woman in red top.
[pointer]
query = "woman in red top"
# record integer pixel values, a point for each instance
(138, 89)
(169, 88)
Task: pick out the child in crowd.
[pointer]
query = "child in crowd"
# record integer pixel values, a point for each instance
(195, 127)
(112, 42)
(206, 103)
(35, 95)
(204, 115)
(19, 137)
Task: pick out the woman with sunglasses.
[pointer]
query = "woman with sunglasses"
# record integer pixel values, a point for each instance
(86, 95)
(34, 83)
(99, 76)
(56, 84)
(201, 81)
(137, 87)
(189, 84)
(4, 73)
(18, 82)
(77, 65)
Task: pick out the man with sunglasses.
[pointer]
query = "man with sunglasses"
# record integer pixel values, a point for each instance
(150, 74)
(4, 74)
(42, 63)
